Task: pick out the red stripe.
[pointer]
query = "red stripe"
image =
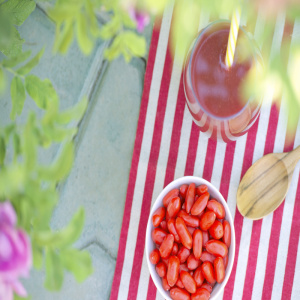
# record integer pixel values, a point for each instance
(192, 150)
(277, 217)
(150, 176)
(227, 169)
(238, 220)
(293, 250)
(151, 294)
(134, 163)
(274, 241)
(172, 159)
(209, 160)
(176, 132)
(256, 229)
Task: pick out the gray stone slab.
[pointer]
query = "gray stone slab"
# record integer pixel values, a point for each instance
(96, 287)
(72, 74)
(99, 178)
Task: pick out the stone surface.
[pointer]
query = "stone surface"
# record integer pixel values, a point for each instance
(99, 178)
(95, 287)
(67, 73)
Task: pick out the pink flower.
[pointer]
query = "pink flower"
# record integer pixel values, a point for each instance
(15, 254)
(141, 18)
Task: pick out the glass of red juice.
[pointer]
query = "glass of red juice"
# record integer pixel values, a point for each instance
(213, 91)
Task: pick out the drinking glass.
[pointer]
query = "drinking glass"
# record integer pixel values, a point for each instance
(213, 91)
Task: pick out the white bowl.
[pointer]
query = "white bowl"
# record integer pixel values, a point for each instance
(150, 245)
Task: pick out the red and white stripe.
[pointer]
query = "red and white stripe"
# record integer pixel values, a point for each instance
(169, 145)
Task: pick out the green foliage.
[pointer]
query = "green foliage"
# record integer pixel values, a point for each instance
(31, 187)
(79, 19)
(17, 91)
(13, 13)
(77, 262)
(31, 64)
(41, 91)
(127, 43)
(18, 10)
(28, 184)
(54, 270)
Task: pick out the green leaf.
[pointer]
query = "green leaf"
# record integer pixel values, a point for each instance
(31, 64)
(2, 80)
(63, 11)
(30, 141)
(74, 113)
(17, 145)
(24, 214)
(11, 180)
(41, 91)
(61, 168)
(85, 43)
(2, 150)
(111, 28)
(127, 21)
(18, 96)
(37, 255)
(59, 134)
(12, 62)
(54, 271)
(64, 238)
(17, 297)
(10, 129)
(18, 10)
(77, 262)
(115, 49)
(135, 44)
(93, 23)
(13, 47)
(64, 38)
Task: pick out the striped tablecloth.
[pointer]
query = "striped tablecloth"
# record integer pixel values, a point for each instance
(169, 145)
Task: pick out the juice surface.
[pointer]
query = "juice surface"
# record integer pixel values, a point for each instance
(218, 88)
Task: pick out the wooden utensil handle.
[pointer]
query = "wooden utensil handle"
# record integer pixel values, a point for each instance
(290, 159)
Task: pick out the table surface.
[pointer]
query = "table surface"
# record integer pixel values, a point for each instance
(104, 145)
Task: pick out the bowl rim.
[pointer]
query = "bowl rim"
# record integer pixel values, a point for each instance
(215, 194)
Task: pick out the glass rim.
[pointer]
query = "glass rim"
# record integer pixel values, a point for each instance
(196, 40)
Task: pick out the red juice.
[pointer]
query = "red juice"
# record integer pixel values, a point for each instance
(213, 91)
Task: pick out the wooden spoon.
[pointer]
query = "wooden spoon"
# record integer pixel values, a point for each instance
(265, 184)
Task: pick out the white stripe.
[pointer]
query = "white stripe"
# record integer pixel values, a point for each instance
(287, 212)
(163, 155)
(218, 164)
(296, 287)
(242, 259)
(158, 297)
(260, 25)
(236, 170)
(203, 138)
(262, 257)
(201, 154)
(266, 227)
(187, 123)
(262, 254)
(237, 165)
(145, 152)
(285, 236)
(247, 224)
(183, 143)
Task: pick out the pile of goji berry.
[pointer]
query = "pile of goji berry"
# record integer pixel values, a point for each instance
(192, 239)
